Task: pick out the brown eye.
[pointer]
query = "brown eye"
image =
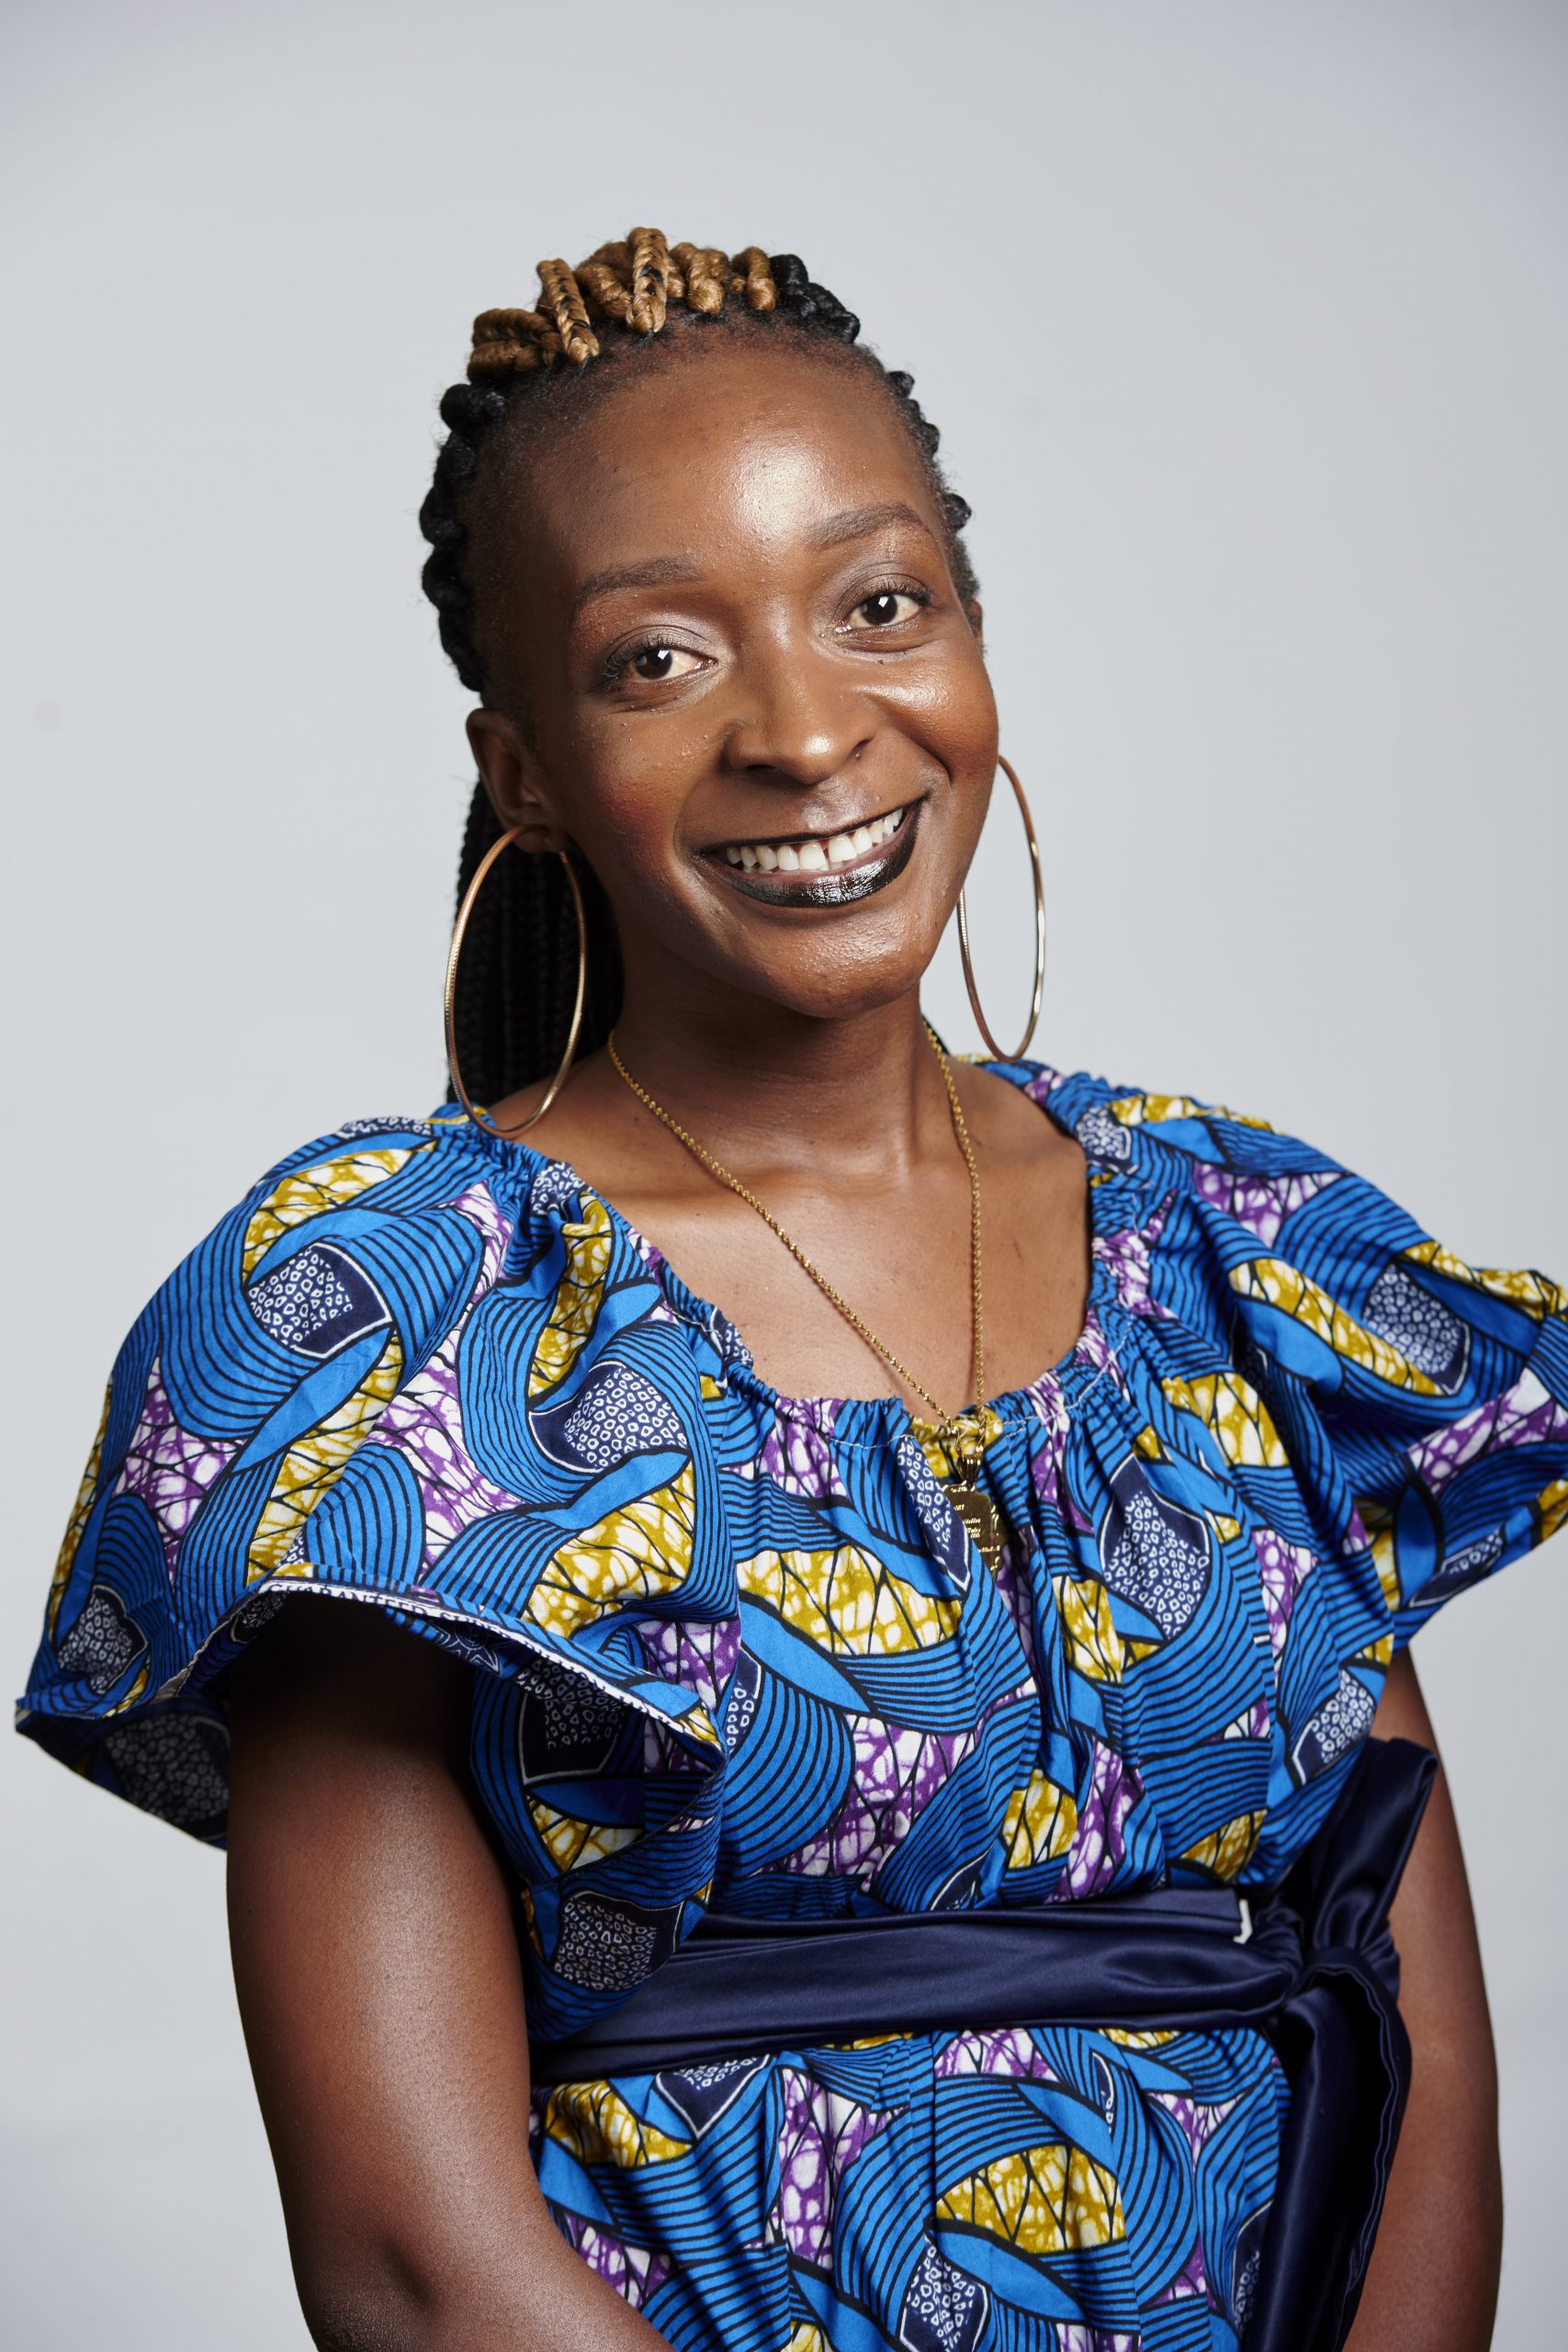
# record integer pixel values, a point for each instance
(886, 606)
(656, 664)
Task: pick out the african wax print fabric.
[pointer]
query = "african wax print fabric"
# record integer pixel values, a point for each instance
(732, 1649)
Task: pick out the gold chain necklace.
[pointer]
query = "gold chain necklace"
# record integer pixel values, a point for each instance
(960, 1436)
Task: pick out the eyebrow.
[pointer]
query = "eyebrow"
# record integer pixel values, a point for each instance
(862, 522)
(656, 574)
(837, 530)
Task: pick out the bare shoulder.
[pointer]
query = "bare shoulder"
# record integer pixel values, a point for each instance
(1012, 1127)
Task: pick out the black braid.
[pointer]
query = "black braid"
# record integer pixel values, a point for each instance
(518, 975)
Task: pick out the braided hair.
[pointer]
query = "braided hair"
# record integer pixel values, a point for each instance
(518, 974)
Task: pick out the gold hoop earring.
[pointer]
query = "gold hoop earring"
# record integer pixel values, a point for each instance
(1039, 934)
(458, 927)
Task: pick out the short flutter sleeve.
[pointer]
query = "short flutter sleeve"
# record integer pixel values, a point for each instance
(417, 1370)
(1422, 1402)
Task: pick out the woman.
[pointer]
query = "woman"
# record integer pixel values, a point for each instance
(867, 1779)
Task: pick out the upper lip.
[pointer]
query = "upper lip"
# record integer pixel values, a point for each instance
(808, 832)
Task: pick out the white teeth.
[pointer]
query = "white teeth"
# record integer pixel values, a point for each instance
(813, 855)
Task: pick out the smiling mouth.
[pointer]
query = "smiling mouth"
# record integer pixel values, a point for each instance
(822, 869)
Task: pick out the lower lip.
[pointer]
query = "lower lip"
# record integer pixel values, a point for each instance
(841, 886)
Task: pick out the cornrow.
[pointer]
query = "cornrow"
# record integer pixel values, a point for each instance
(519, 968)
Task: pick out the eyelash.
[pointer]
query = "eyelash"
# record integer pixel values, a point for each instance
(617, 663)
(621, 660)
(910, 588)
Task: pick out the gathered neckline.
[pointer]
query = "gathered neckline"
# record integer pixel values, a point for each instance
(740, 1366)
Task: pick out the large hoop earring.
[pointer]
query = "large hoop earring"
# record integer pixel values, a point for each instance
(984, 1025)
(453, 953)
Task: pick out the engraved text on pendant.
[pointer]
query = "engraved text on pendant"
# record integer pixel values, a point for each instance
(982, 1519)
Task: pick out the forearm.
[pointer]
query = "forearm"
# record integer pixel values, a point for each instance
(1432, 2282)
(429, 2297)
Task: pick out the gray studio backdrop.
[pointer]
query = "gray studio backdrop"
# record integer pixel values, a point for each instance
(1243, 325)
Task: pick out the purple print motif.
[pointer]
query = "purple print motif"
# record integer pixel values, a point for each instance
(896, 1772)
(1198, 2119)
(424, 1422)
(698, 1655)
(1261, 1204)
(821, 2133)
(1526, 1415)
(1011, 2051)
(1097, 1847)
(424, 1425)
(797, 1452)
(168, 1468)
(1283, 1569)
(1192, 2279)
(1253, 1722)
(1129, 1255)
(633, 2271)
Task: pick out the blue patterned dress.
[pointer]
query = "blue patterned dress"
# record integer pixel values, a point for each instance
(733, 1649)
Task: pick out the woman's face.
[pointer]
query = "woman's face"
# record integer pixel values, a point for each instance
(753, 696)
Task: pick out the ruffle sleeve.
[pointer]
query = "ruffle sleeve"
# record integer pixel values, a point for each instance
(1394, 1418)
(1423, 1400)
(412, 1371)
(1365, 1423)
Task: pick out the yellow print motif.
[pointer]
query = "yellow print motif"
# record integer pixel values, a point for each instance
(1536, 1293)
(1232, 1407)
(1041, 1822)
(1046, 2200)
(571, 1842)
(312, 1191)
(1153, 1110)
(594, 2122)
(1228, 1850)
(847, 1603)
(636, 1553)
(1094, 1646)
(313, 1464)
(1281, 1285)
(575, 1309)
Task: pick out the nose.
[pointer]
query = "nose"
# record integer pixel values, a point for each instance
(797, 718)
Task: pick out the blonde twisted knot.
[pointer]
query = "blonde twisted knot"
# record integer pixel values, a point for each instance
(634, 283)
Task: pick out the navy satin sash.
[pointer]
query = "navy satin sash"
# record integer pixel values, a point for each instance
(1318, 1975)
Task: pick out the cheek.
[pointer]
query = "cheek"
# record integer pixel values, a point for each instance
(630, 781)
(957, 718)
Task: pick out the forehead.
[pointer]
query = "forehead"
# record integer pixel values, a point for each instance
(736, 450)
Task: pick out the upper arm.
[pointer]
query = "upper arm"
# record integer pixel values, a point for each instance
(375, 1960)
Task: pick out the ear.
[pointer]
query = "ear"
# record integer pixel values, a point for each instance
(518, 789)
(977, 621)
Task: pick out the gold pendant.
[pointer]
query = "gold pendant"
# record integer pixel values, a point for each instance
(982, 1519)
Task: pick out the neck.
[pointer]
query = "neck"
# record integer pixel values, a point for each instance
(765, 1083)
